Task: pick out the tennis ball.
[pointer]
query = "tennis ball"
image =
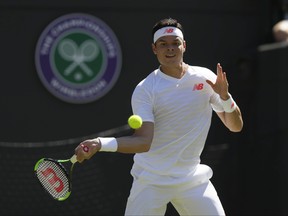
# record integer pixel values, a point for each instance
(135, 121)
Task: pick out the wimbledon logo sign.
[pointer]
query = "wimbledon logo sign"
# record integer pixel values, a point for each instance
(78, 58)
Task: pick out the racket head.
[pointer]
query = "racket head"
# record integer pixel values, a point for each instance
(54, 177)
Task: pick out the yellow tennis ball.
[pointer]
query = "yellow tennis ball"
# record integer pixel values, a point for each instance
(135, 121)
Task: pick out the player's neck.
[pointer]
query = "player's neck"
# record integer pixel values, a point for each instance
(175, 71)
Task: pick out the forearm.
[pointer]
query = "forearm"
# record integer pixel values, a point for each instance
(133, 144)
(139, 142)
(231, 117)
(233, 121)
(125, 144)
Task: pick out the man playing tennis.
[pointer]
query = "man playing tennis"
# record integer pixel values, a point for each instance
(175, 102)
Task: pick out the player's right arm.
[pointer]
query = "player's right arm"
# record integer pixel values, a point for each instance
(140, 141)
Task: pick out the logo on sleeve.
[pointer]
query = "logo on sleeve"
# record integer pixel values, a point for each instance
(78, 58)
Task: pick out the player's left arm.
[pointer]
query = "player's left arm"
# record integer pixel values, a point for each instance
(231, 119)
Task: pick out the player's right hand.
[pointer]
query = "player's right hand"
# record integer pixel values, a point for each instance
(86, 149)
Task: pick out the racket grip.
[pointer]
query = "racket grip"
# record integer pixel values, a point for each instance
(73, 159)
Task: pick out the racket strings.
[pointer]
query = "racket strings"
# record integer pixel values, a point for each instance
(53, 178)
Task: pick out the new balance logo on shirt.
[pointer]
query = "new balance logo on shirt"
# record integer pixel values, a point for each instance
(198, 87)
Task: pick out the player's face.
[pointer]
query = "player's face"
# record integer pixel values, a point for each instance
(169, 50)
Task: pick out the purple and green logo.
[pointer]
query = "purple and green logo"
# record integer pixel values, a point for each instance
(78, 58)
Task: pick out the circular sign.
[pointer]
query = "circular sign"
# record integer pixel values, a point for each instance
(78, 58)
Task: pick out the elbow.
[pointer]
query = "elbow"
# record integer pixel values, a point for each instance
(145, 147)
(237, 128)
(144, 143)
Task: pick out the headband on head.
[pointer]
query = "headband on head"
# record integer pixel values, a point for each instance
(167, 31)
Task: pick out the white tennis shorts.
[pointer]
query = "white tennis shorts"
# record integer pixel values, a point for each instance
(147, 198)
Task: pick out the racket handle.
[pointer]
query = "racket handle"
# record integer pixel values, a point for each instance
(73, 159)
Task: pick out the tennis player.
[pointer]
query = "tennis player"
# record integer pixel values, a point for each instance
(175, 102)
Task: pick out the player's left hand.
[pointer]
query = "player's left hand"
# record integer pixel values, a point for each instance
(221, 85)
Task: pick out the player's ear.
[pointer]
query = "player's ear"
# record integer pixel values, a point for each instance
(184, 45)
(154, 48)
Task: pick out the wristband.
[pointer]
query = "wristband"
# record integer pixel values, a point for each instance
(108, 144)
(229, 105)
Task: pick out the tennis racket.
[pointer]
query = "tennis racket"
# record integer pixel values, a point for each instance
(54, 177)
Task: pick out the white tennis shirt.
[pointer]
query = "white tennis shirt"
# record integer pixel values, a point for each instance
(181, 110)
